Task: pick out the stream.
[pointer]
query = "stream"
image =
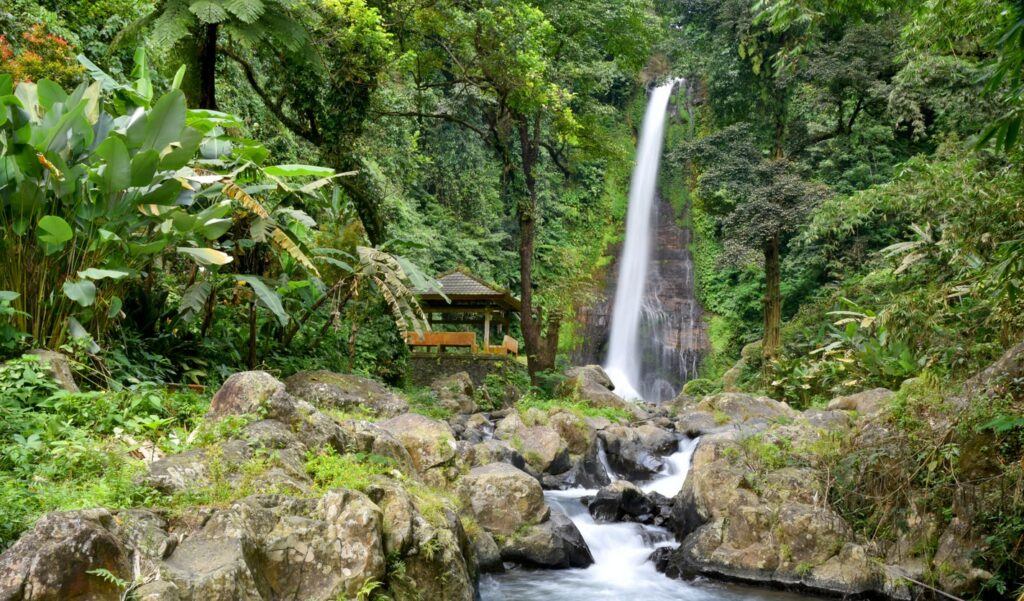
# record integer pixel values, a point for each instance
(621, 569)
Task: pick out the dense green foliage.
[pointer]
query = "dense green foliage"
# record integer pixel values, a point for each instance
(880, 142)
(193, 187)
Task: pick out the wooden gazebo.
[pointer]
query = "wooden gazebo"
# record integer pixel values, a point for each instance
(470, 301)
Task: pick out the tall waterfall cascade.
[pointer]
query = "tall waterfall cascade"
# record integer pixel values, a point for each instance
(656, 334)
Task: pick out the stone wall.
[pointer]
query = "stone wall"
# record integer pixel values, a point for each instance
(424, 367)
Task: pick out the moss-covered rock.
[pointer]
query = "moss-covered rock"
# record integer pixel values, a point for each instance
(345, 392)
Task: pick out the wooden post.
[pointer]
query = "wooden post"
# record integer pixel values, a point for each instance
(487, 330)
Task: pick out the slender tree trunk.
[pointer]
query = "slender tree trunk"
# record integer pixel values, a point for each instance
(252, 335)
(208, 68)
(772, 299)
(526, 209)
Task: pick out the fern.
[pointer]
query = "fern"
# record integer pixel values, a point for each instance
(209, 11)
(246, 11)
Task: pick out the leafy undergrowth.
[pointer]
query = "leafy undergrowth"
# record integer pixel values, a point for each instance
(330, 469)
(939, 463)
(580, 407)
(65, 450)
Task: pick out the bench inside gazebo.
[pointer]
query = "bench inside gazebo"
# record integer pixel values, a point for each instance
(466, 300)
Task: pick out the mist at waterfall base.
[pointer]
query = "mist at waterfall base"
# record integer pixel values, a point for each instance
(622, 570)
(656, 334)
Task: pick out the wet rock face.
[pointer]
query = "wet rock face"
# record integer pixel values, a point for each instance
(556, 543)
(673, 335)
(621, 501)
(629, 454)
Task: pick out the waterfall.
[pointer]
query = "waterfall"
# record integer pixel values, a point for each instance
(623, 362)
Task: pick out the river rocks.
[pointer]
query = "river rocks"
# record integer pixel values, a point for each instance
(346, 392)
(503, 498)
(578, 435)
(556, 543)
(868, 402)
(628, 454)
(543, 449)
(455, 393)
(51, 562)
(769, 523)
(592, 384)
(656, 439)
(497, 451)
(430, 443)
(729, 410)
(621, 501)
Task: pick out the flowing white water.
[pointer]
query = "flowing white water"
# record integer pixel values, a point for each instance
(621, 569)
(623, 364)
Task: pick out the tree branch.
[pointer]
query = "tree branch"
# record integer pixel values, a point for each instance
(556, 158)
(273, 106)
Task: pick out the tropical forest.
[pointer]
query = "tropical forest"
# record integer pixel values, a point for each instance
(511, 300)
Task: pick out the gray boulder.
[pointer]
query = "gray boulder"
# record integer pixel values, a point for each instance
(346, 392)
(868, 402)
(456, 393)
(502, 498)
(556, 543)
(250, 393)
(628, 453)
(430, 443)
(52, 561)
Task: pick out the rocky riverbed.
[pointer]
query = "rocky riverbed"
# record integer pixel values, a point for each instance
(447, 501)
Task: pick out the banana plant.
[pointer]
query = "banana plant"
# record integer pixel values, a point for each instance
(95, 194)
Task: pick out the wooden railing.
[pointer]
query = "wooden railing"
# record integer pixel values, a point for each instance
(443, 340)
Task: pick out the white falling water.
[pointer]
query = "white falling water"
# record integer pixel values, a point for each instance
(623, 364)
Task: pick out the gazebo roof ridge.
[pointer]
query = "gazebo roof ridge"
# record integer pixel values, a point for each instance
(460, 284)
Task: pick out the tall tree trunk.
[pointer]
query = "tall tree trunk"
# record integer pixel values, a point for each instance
(208, 68)
(772, 299)
(526, 209)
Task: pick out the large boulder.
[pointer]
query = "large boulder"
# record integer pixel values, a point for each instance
(543, 449)
(440, 565)
(502, 498)
(456, 393)
(430, 443)
(281, 548)
(556, 543)
(629, 454)
(744, 518)
(868, 402)
(622, 501)
(346, 392)
(579, 436)
(728, 410)
(52, 561)
(251, 393)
